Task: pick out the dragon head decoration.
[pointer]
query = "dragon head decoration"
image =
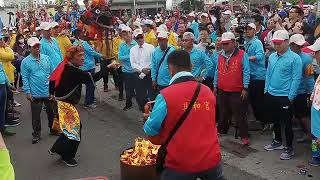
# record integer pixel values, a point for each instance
(99, 14)
(97, 21)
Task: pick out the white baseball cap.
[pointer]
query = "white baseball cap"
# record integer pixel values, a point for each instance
(315, 46)
(227, 36)
(192, 14)
(45, 26)
(204, 14)
(147, 22)
(234, 21)
(234, 25)
(137, 32)
(126, 28)
(54, 24)
(280, 35)
(163, 35)
(162, 27)
(252, 25)
(227, 12)
(136, 23)
(38, 29)
(121, 26)
(297, 39)
(33, 41)
(10, 28)
(190, 34)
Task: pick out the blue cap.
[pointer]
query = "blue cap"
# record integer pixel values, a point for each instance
(283, 13)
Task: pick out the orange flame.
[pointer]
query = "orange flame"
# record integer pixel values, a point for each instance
(144, 153)
(101, 3)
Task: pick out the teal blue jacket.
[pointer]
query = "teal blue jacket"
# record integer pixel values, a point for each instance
(164, 76)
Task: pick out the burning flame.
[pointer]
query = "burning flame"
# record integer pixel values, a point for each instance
(143, 153)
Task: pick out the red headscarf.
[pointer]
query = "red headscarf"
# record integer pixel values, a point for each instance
(57, 73)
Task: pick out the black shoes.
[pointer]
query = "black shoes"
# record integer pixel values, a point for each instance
(71, 162)
(35, 140)
(12, 123)
(51, 152)
(13, 111)
(120, 98)
(127, 107)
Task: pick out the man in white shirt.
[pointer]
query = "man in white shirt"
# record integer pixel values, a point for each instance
(140, 58)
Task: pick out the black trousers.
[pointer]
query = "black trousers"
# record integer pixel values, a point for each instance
(117, 78)
(232, 106)
(65, 147)
(155, 92)
(280, 112)
(300, 106)
(106, 72)
(215, 173)
(208, 82)
(9, 105)
(3, 104)
(143, 89)
(129, 80)
(36, 108)
(17, 65)
(256, 97)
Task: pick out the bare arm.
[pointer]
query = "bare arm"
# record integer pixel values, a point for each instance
(2, 144)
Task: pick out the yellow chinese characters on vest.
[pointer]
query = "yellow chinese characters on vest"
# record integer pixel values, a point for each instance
(198, 106)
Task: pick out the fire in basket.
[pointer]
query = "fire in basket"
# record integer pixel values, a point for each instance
(139, 161)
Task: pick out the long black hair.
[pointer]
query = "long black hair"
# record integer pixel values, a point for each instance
(16, 43)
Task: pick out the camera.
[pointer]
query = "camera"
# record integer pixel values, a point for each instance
(243, 20)
(209, 45)
(240, 39)
(216, 12)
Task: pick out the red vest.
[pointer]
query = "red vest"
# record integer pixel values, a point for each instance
(195, 145)
(230, 75)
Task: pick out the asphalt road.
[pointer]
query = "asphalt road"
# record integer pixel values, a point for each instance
(106, 132)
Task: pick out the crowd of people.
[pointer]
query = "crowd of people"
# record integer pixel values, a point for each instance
(268, 61)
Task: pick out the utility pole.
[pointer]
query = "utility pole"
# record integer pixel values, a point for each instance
(317, 32)
(318, 10)
(134, 7)
(30, 3)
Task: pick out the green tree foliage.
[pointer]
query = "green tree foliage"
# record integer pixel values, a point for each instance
(190, 5)
(296, 2)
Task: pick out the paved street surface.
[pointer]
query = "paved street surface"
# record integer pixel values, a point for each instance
(107, 131)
